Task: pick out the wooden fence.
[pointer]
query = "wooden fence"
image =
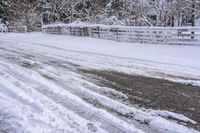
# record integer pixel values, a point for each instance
(153, 35)
(17, 29)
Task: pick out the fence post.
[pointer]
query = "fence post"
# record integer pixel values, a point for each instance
(98, 31)
(117, 30)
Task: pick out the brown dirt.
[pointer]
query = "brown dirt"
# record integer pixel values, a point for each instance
(153, 93)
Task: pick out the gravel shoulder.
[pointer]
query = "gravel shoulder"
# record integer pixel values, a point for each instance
(152, 93)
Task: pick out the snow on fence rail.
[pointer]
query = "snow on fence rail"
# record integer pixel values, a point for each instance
(19, 29)
(157, 35)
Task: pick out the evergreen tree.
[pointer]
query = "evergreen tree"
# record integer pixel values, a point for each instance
(3, 10)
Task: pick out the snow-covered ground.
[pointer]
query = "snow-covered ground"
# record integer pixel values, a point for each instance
(43, 92)
(177, 63)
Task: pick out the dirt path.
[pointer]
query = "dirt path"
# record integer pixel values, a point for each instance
(153, 93)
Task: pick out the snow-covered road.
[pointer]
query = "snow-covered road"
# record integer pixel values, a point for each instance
(42, 90)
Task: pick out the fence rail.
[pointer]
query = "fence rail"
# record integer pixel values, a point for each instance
(155, 35)
(19, 29)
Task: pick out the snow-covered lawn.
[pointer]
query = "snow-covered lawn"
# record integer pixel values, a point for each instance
(42, 90)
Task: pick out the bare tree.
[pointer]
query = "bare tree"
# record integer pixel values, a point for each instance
(25, 12)
(127, 12)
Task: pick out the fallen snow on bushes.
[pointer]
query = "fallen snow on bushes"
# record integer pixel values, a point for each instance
(3, 28)
(43, 91)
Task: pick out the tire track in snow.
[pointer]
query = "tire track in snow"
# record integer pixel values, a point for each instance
(62, 97)
(72, 121)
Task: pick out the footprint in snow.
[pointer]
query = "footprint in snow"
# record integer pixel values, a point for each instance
(91, 127)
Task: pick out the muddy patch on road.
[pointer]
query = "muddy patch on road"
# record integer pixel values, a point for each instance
(152, 93)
